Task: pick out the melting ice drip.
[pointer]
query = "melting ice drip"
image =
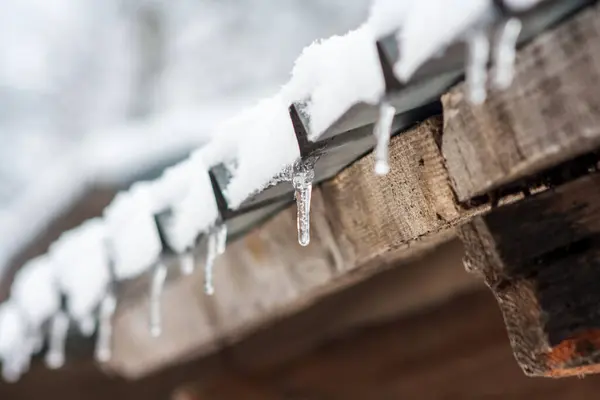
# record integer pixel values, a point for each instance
(217, 239)
(59, 326)
(108, 307)
(303, 176)
(186, 263)
(382, 132)
(505, 52)
(504, 55)
(156, 288)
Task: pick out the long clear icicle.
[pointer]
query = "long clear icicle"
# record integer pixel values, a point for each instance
(187, 263)
(302, 180)
(105, 328)
(382, 132)
(505, 52)
(156, 288)
(217, 240)
(59, 326)
(476, 68)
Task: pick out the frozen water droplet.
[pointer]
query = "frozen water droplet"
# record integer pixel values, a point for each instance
(104, 340)
(217, 240)
(59, 326)
(156, 288)
(476, 69)
(187, 263)
(302, 180)
(382, 132)
(505, 52)
(87, 325)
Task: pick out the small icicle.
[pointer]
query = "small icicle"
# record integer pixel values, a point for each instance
(505, 52)
(156, 288)
(217, 239)
(87, 325)
(104, 340)
(479, 52)
(221, 238)
(187, 263)
(382, 132)
(302, 180)
(55, 357)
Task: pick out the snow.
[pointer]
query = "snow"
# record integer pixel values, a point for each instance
(265, 143)
(430, 26)
(195, 211)
(81, 266)
(133, 239)
(334, 74)
(386, 16)
(35, 292)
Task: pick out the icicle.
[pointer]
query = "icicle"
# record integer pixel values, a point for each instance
(505, 52)
(187, 263)
(87, 325)
(382, 132)
(55, 357)
(479, 49)
(104, 340)
(156, 288)
(217, 239)
(302, 180)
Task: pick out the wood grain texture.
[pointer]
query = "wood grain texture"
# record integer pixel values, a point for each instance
(361, 225)
(457, 350)
(541, 259)
(550, 114)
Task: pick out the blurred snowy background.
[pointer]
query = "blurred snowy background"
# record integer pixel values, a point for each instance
(103, 91)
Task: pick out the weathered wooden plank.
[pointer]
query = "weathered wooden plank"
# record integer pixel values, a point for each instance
(457, 350)
(361, 224)
(549, 115)
(541, 258)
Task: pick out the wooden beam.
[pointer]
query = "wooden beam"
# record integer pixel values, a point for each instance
(361, 224)
(457, 350)
(541, 258)
(550, 114)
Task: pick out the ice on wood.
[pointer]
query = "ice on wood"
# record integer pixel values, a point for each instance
(82, 268)
(131, 230)
(431, 25)
(334, 74)
(35, 291)
(195, 211)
